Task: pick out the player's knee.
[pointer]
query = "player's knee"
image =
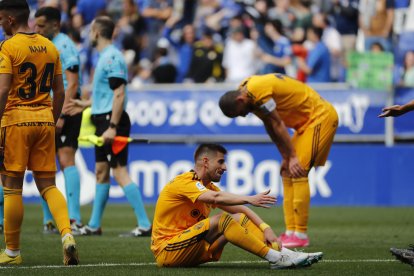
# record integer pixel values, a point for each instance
(102, 175)
(225, 220)
(121, 176)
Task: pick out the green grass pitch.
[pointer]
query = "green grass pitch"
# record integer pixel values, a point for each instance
(355, 242)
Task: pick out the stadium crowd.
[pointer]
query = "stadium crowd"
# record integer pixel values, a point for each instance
(167, 41)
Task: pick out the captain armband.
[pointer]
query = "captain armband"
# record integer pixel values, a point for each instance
(268, 106)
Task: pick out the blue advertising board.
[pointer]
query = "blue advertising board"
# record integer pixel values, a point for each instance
(189, 112)
(354, 175)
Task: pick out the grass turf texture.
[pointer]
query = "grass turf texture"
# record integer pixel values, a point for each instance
(355, 241)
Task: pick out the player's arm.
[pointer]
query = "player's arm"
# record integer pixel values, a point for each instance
(5, 85)
(118, 86)
(72, 87)
(397, 110)
(58, 96)
(228, 199)
(277, 131)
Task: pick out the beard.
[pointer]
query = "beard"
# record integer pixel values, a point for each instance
(215, 176)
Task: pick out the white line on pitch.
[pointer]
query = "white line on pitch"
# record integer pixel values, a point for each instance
(153, 264)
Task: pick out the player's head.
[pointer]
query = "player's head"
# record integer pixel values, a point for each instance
(234, 103)
(13, 13)
(47, 21)
(210, 157)
(101, 27)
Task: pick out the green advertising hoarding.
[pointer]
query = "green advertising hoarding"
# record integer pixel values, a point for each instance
(370, 70)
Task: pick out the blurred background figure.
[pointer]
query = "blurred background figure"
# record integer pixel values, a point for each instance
(164, 70)
(375, 21)
(317, 64)
(206, 60)
(239, 58)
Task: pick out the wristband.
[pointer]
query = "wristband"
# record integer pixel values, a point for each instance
(112, 125)
(263, 226)
(63, 116)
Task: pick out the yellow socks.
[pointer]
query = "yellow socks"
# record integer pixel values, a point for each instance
(240, 236)
(301, 201)
(58, 208)
(288, 210)
(13, 217)
(251, 227)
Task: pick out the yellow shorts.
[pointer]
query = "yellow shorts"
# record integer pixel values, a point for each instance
(188, 248)
(313, 145)
(29, 147)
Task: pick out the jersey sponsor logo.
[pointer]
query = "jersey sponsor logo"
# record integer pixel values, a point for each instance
(200, 186)
(38, 49)
(268, 106)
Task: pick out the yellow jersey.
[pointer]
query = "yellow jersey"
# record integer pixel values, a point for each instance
(177, 208)
(33, 61)
(298, 105)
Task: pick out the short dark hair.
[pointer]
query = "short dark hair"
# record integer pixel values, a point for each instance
(277, 24)
(105, 26)
(208, 148)
(227, 103)
(317, 31)
(50, 13)
(19, 9)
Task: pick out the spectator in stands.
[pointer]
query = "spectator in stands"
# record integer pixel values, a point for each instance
(206, 60)
(284, 13)
(130, 33)
(375, 20)
(401, 11)
(163, 69)
(376, 47)
(183, 46)
(280, 52)
(204, 9)
(219, 20)
(303, 15)
(86, 10)
(317, 64)
(155, 12)
(345, 16)
(239, 58)
(407, 77)
(332, 39)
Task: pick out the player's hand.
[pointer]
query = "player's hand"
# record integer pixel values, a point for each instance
(272, 239)
(75, 106)
(393, 111)
(59, 125)
(109, 135)
(263, 200)
(295, 168)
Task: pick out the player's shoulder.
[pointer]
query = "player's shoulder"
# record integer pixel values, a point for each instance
(187, 177)
(1, 44)
(63, 40)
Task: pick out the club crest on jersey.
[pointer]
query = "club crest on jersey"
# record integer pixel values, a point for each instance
(200, 186)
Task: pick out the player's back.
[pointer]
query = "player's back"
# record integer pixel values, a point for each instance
(33, 61)
(297, 103)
